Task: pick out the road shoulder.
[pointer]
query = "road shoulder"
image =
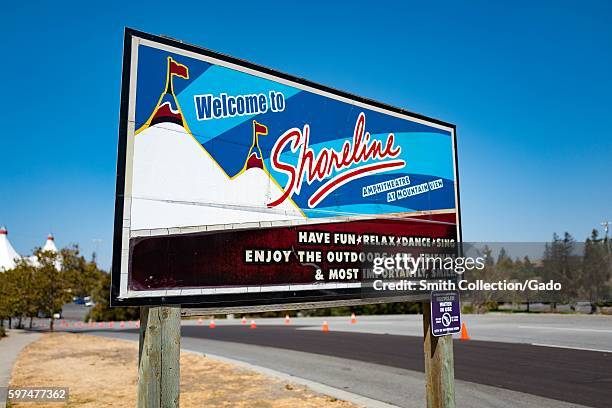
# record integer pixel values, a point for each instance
(62, 359)
(10, 347)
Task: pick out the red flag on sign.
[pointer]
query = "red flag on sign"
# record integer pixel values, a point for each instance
(260, 129)
(177, 69)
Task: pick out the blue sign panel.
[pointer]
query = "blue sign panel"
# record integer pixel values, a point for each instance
(321, 156)
(445, 313)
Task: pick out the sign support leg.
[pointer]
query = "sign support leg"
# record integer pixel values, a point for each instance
(158, 357)
(439, 365)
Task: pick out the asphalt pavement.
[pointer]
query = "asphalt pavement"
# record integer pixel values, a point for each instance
(582, 332)
(366, 359)
(577, 376)
(512, 360)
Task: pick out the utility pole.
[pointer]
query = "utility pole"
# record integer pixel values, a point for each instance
(606, 225)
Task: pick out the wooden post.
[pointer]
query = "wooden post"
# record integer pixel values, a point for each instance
(158, 357)
(439, 365)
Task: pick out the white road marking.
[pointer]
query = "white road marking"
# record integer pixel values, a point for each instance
(565, 329)
(571, 347)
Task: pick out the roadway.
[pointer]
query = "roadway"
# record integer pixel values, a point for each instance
(511, 361)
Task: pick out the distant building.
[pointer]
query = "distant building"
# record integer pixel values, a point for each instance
(50, 244)
(8, 255)
(50, 247)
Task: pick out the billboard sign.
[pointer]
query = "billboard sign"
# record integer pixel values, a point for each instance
(240, 186)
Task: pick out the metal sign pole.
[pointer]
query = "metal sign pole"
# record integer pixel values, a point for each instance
(158, 357)
(439, 365)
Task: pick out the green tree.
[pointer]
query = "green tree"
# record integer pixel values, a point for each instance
(5, 299)
(82, 276)
(503, 256)
(595, 270)
(102, 311)
(525, 270)
(52, 285)
(563, 265)
(483, 300)
(23, 291)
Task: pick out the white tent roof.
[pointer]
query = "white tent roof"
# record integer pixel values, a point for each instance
(50, 244)
(8, 255)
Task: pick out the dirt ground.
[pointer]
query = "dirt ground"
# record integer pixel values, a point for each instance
(102, 372)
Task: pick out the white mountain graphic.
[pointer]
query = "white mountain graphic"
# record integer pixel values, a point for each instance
(176, 183)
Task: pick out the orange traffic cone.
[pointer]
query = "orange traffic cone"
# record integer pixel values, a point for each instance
(287, 319)
(243, 320)
(199, 321)
(212, 324)
(253, 325)
(353, 318)
(464, 333)
(325, 326)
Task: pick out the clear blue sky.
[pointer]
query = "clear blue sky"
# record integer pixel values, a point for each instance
(529, 87)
